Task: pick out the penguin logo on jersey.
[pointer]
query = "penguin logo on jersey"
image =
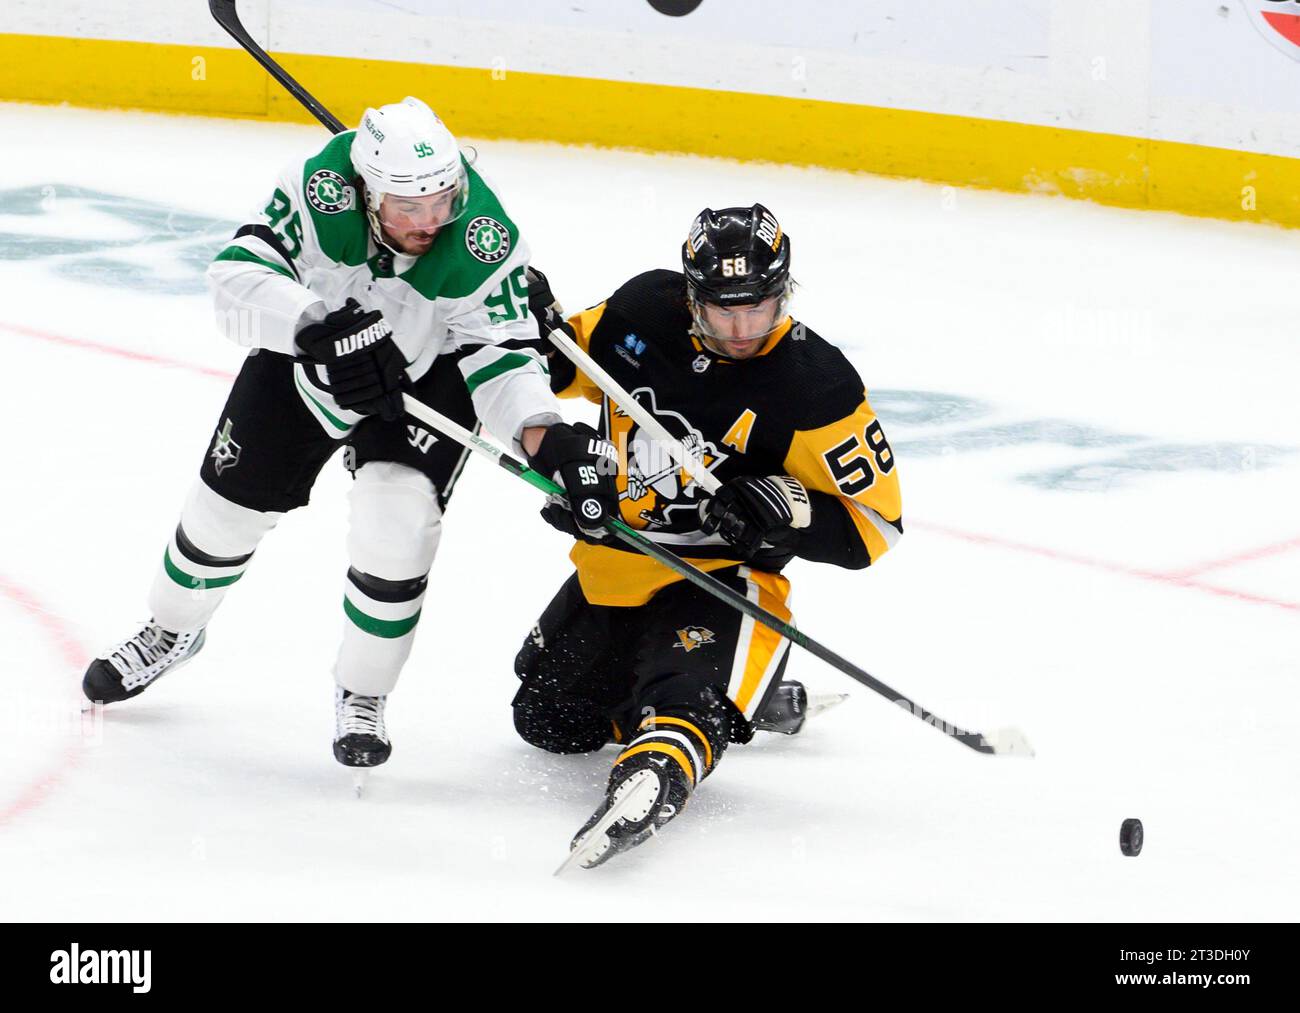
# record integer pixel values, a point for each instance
(329, 193)
(656, 485)
(225, 451)
(487, 239)
(692, 637)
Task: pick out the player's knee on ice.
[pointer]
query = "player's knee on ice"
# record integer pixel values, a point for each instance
(559, 722)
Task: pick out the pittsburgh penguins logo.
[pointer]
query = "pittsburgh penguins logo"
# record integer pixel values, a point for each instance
(692, 637)
(656, 486)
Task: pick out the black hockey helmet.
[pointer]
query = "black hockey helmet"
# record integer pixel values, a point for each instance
(736, 256)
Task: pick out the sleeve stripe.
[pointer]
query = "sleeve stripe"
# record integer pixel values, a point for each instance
(263, 233)
(507, 362)
(238, 253)
(535, 345)
(889, 532)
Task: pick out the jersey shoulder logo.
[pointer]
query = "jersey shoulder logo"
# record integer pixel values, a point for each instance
(329, 193)
(487, 239)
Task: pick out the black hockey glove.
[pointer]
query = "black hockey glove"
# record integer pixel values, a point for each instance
(549, 314)
(749, 511)
(366, 368)
(586, 465)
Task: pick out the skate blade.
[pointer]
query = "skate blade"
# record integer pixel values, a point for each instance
(820, 703)
(641, 795)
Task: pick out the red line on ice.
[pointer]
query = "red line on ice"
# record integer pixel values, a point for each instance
(1178, 579)
(72, 654)
(1249, 556)
(1175, 579)
(121, 353)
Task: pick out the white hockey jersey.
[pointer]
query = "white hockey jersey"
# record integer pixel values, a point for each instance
(311, 249)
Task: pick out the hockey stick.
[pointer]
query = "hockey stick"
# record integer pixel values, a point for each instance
(228, 18)
(642, 417)
(1007, 740)
(1004, 741)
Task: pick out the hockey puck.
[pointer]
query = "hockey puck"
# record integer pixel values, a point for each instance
(1130, 838)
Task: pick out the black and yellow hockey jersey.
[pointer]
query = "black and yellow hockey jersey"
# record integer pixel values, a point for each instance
(796, 408)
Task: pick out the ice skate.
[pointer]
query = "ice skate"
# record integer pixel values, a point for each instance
(360, 739)
(642, 797)
(790, 707)
(137, 662)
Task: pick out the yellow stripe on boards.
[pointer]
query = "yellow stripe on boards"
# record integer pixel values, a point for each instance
(135, 75)
(959, 150)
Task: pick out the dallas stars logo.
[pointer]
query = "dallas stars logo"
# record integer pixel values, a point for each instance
(329, 193)
(692, 637)
(487, 239)
(225, 451)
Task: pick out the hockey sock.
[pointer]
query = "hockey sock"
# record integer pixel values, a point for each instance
(209, 551)
(680, 738)
(378, 631)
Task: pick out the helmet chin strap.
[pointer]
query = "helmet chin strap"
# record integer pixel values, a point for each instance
(376, 226)
(712, 343)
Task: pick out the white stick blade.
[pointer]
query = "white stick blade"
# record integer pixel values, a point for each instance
(820, 703)
(1009, 742)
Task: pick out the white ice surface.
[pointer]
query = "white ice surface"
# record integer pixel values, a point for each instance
(1032, 587)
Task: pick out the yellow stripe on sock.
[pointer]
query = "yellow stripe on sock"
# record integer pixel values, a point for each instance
(665, 748)
(683, 723)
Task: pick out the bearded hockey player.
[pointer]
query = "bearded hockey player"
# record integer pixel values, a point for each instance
(384, 263)
(629, 652)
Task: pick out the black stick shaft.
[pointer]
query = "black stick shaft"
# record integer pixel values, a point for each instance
(228, 18)
(707, 582)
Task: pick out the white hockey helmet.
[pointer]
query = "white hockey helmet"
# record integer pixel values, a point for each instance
(403, 149)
